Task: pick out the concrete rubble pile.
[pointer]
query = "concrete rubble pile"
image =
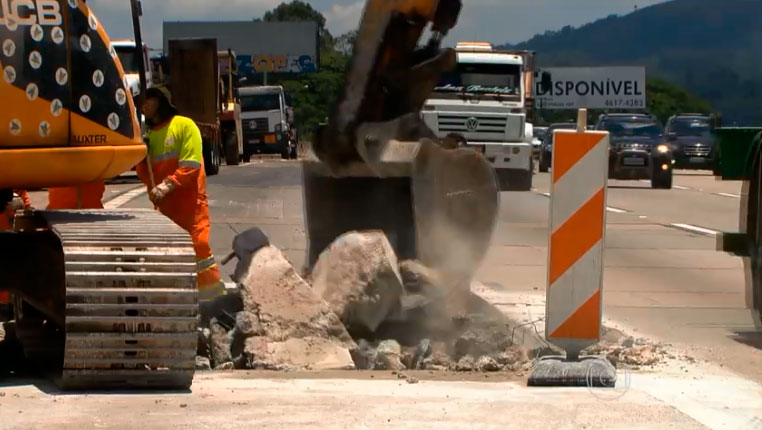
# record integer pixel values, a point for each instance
(622, 350)
(366, 310)
(395, 312)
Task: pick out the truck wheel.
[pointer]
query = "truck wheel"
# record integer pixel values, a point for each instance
(662, 181)
(246, 157)
(232, 154)
(294, 152)
(211, 159)
(544, 167)
(286, 154)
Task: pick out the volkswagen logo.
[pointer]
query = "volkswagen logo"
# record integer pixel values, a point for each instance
(253, 125)
(472, 124)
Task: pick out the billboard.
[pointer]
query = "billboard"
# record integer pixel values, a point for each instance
(260, 47)
(590, 87)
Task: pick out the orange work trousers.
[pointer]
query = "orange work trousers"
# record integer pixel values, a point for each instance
(88, 196)
(195, 220)
(6, 219)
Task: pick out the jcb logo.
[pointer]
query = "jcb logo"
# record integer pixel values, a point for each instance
(29, 12)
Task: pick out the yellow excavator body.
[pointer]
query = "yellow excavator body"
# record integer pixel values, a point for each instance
(67, 116)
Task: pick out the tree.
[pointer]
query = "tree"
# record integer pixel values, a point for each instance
(314, 94)
(299, 11)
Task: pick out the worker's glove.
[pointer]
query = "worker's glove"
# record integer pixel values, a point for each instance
(161, 191)
(16, 204)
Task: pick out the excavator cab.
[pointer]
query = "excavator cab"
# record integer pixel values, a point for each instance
(376, 166)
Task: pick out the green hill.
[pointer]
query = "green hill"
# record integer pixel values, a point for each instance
(713, 48)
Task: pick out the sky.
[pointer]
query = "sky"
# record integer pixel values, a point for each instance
(496, 21)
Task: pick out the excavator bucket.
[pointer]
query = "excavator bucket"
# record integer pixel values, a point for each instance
(376, 166)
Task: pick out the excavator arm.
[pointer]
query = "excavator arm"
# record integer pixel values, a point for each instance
(377, 166)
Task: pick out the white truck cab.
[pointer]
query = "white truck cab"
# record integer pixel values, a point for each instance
(125, 50)
(266, 120)
(483, 102)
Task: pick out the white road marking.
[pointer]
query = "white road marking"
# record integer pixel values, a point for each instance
(608, 208)
(695, 229)
(616, 210)
(732, 196)
(125, 198)
(679, 187)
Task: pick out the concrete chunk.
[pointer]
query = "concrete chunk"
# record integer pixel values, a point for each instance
(286, 325)
(358, 276)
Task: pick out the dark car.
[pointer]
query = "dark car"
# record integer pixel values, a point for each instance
(691, 139)
(637, 149)
(546, 149)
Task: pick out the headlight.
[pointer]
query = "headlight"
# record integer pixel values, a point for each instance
(278, 128)
(663, 149)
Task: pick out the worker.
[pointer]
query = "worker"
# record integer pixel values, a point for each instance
(10, 202)
(87, 196)
(19, 200)
(179, 191)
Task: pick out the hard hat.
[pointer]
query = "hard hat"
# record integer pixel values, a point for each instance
(161, 92)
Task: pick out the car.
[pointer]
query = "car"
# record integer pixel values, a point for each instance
(637, 149)
(690, 136)
(546, 150)
(537, 138)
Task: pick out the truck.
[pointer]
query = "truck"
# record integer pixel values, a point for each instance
(268, 122)
(127, 52)
(483, 102)
(195, 64)
(740, 159)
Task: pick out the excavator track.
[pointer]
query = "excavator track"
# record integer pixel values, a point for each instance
(131, 300)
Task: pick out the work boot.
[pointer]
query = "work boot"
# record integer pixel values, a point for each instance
(223, 308)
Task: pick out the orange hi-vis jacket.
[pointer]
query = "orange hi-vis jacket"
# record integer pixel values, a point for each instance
(176, 154)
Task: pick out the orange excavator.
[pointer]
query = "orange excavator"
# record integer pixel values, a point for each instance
(115, 290)
(107, 298)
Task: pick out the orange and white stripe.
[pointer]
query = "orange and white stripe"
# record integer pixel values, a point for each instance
(577, 226)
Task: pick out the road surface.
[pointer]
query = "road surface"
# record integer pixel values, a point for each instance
(663, 280)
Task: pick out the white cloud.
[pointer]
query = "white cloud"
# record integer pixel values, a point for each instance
(343, 18)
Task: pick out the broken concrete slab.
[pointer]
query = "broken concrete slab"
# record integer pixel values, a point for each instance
(203, 363)
(310, 353)
(465, 364)
(358, 276)
(285, 325)
(487, 364)
(219, 343)
(389, 356)
(514, 354)
(247, 323)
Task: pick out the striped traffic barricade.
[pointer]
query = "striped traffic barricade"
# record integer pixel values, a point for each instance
(575, 257)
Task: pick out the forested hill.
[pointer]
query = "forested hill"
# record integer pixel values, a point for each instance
(713, 48)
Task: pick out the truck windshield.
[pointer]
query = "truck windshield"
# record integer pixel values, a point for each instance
(260, 102)
(630, 127)
(128, 59)
(487, 79)
(692, 127)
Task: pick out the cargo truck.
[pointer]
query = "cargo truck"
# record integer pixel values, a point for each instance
(196, 82)
(484, 102)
